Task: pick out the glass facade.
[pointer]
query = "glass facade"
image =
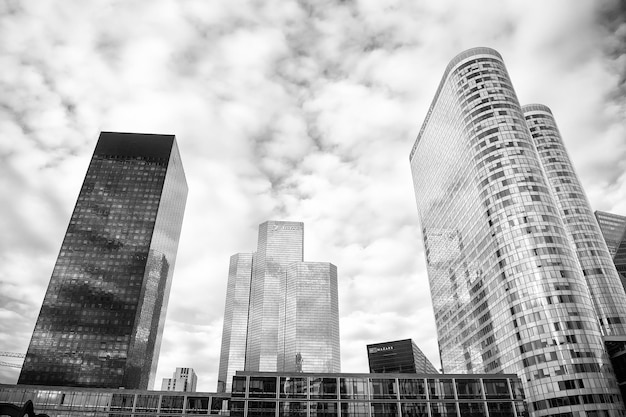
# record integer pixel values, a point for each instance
(257, 394)
(368, 395)
(619, 260)
(280, 244)
(93, 402)
(309, 332)
(281, 313)
(509, 293)
(235, 330)
(580, 223)
(103, 314)
(613, 227)
(401, 356)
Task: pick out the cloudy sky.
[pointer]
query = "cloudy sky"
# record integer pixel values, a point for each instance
(283, 110)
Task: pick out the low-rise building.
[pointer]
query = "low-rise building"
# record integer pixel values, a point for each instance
(398, 356)
(276, 394)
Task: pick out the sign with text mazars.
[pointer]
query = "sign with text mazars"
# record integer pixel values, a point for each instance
(377, 349)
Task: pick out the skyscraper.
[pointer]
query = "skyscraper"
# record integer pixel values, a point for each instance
(102, 317)
(281, 313)
(613, 227)
(518, 273)
(308, 331)
(399, 356)
(280, 244)
(235, 329)
(183, 380)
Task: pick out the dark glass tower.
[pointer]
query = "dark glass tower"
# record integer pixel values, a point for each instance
(102, 317)
(400, 356)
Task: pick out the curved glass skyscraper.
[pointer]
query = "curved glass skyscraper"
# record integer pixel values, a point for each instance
(516, 264)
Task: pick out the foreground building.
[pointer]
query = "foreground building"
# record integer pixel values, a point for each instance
(400, 356)
(281, 313)
(260, 394)
(520, 277)
(183, 380)
(102, 317)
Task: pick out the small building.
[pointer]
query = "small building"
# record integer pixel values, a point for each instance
(183, 380)
(399, 356)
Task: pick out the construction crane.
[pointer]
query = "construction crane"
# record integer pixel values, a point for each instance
(11, 355)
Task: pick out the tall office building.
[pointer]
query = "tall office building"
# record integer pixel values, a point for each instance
(183, 380)
(280, 244)
(281, 313)
(613, 227)
(619, 259)
(235, 329)
(399, 356)
(308, 332)
(516, 263)
(102, 317)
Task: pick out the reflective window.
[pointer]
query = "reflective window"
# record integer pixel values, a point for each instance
(383, 388)
(66, 399)
(197, 405)
(147, 404)
(323, 409)
(414, 409)
(412, 388)
(80, 400)
(263, 387)
(239, 386)
(443, 410)
(172, 403)
(219, 405)
(237, 408)
(355, 409)
(500, 409)
(48, 397)
(496, 388)
(353, 388)
(384, 409)
(324, 388)
(291, 387)
(472, 409)
(122, 402)
(262, 408)
(293, 409)
(468, 389)
(517, 389)
(440, 389)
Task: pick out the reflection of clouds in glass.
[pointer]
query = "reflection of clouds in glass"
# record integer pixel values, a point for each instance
(107, 276)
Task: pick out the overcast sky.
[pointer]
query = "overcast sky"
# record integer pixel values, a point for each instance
(283, 110)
